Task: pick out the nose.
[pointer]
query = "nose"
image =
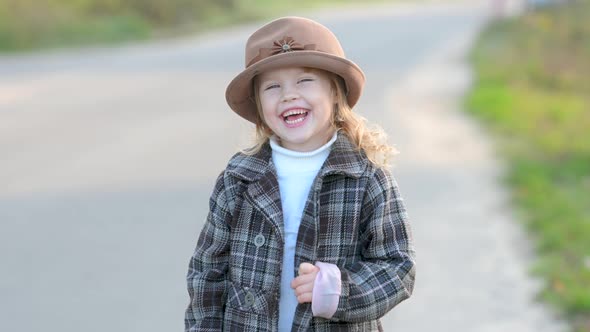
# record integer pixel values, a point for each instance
(289, 94)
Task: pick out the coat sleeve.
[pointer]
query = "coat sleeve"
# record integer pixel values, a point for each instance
(207, 273)
(384, 276)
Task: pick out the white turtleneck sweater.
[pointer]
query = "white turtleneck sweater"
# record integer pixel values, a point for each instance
(296, 172)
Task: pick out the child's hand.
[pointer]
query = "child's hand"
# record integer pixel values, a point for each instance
(303, 284)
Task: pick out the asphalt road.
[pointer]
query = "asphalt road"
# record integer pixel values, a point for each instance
(108, 156)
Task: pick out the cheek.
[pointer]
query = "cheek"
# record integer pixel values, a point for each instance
(266, 105)
(269, 114)
(327, 112)
(327, 120)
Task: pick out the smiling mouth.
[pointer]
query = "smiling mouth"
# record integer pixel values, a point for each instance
(295, 116)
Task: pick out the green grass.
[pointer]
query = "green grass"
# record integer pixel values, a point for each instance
(533, 93)
(28, 25)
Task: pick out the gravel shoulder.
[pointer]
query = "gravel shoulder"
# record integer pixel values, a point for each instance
(473, 255)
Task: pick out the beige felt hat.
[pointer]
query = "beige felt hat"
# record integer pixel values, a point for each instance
(288, 42)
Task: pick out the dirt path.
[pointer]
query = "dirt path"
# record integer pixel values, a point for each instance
(473, 256)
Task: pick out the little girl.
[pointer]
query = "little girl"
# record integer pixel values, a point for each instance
(306, 230)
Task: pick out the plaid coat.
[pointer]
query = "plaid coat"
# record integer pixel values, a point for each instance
(354, 217)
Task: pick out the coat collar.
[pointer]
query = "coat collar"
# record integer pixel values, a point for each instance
(262, 188)
(343, 159)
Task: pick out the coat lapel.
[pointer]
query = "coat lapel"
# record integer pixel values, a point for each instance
(262, 187)
(265, 196)
(344, 160)
(259, 173)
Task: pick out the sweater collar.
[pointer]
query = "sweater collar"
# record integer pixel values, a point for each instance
(277, 148)
(343, 159)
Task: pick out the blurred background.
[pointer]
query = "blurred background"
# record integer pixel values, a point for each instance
(113, 127)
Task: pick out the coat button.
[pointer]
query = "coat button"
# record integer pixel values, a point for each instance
(259, 240)
(249, 299)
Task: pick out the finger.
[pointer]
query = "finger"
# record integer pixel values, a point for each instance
(302, 279)
(306, 268)
(302, 289)
(304, 298)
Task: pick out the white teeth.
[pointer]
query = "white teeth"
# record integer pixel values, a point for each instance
(294, 121)
(293, 112)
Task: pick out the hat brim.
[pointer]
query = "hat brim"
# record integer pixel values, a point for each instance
(239, 91)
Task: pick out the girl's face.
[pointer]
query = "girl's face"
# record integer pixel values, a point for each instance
(297, 105)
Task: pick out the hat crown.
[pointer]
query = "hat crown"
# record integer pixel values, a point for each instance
(290, 34)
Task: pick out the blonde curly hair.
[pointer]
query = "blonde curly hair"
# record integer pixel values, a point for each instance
(368, 138)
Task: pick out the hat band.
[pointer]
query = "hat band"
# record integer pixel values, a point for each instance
(287, 44)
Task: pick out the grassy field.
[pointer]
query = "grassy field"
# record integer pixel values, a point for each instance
(533, 93)
(36, 24)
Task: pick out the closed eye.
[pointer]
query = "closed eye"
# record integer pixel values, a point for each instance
(305, 80)
(272, 86)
